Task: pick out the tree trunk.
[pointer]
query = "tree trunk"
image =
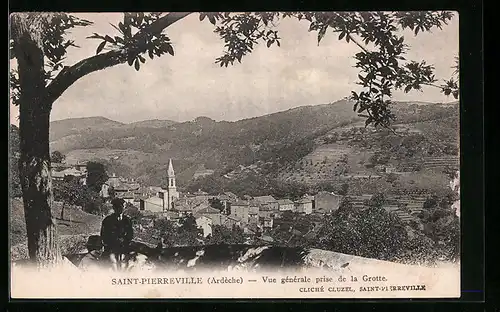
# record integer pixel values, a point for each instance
(34, 163)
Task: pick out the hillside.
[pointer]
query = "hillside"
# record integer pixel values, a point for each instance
(279, 140)
(74, 126)
(75, 222)
(216, 145)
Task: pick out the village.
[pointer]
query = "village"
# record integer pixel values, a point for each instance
(254, 215)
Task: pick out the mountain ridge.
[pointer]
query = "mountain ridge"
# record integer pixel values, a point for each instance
(241, 119)
(285, 136)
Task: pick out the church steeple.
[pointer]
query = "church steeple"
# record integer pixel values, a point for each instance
(171, 175)
(171, 193)
(170, 170)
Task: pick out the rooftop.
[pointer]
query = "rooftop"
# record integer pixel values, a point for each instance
(125, 195)
(239, 203)
(265, 199)
(304, 201)
(208, 210)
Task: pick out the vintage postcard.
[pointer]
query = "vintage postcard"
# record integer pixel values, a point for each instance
(234, 155)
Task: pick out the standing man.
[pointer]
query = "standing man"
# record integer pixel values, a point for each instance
(117, 233)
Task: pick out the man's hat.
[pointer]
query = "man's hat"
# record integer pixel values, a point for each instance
(94, 241)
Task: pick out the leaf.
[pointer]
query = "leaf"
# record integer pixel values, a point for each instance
(142, 59)
(407, 89)
(269, 43)
(151, 55)
(278, 43)
(212, 20)
(202, 17)
(321, 34)
(122, 27)
(137, 65)
(95, 36)
(130, 61)
(169, 49)
(342, 35)
(100, 47)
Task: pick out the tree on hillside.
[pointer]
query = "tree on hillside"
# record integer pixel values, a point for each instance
(39, 44)
(376, 201)
(224, 235)
(344, 189)
(133, 212)
(217, 204)
(96, 175)
(72, 192)
(371, 233)
(57, 157)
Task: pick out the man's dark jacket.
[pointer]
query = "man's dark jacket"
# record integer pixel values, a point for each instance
(116, 234)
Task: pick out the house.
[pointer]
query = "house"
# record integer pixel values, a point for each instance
(211, 213)
(286, 205)
(172, 215)
(60, 175)
(226, 198)
(304, 205)
(205, 223)
(113, 181)
(154, 190)
(253, 214)
(230, 221)
(231, 195)
(267, 201)
(153, 204)
(252, 229)
(240, 210)
(326, 202)
(128, 197)
(266, 212)
(200, 195)
(105, 190)
(119, 190)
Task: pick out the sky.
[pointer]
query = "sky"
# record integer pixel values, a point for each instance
(190, 84)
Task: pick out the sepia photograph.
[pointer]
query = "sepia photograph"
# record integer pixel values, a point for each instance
(234, 155)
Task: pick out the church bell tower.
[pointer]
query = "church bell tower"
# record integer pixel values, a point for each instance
(171, 194)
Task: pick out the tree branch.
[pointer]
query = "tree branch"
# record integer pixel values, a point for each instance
(70, 75)
(432, 85)
(357, 43)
